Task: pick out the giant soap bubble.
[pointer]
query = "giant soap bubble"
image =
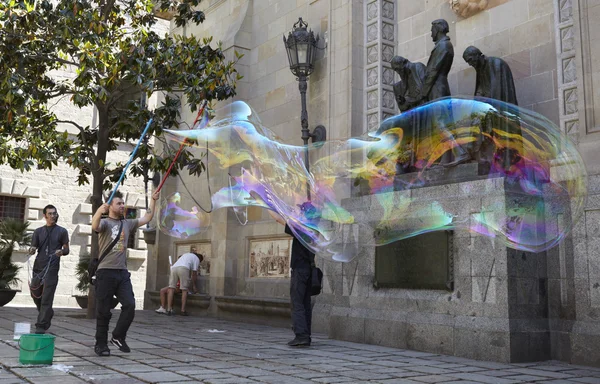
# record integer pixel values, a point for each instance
(478, 165)
(180, 217)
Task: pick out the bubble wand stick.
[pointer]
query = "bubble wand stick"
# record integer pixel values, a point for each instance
(129, 162)
(180, 149)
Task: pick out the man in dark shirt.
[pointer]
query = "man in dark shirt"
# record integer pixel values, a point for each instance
(112, 277)
(51, 242)
(300, 284)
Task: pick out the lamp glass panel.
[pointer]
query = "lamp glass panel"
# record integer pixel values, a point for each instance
(302, 53)
(293, 55)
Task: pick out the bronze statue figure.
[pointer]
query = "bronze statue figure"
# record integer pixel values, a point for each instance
(494, 77)
(495, 81)
(436, 86)
(408, 90)
(439, 63)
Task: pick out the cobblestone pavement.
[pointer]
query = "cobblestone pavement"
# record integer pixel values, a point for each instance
(206, 350)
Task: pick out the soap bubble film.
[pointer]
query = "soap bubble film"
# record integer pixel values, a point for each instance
(463, 164)
(179, 216)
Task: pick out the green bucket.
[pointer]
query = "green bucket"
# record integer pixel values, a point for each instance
(36, 349)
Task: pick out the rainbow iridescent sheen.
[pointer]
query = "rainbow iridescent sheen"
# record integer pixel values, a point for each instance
(527, 187)
(176, 221)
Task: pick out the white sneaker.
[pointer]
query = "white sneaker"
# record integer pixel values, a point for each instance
(161, 310)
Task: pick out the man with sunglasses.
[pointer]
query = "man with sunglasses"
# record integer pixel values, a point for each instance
(50, 242)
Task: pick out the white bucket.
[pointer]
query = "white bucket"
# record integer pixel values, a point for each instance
(21, 329)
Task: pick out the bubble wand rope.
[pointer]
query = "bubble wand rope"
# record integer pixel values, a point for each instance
(180, 150)
(129, 162)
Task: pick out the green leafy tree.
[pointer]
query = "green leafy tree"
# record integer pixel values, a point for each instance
(117, 60)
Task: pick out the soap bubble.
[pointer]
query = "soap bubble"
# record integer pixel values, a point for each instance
(179, 216)
(478, 165)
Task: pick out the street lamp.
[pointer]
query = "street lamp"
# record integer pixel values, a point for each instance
(301, 46)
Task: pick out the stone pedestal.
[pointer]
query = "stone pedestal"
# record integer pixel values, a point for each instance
(497, 310)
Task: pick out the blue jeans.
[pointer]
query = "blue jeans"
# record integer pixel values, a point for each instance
(109, 283)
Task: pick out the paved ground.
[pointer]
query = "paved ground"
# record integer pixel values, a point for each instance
(204, 350)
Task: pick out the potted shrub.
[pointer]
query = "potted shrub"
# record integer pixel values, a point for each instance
(12, 233)
(83, 281)
(83, 285)
(149, 235)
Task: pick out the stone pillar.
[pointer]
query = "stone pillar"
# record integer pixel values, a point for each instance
(380, 39)
(567, 63)
(574, 277)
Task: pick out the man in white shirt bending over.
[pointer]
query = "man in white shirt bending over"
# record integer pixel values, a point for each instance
(181, 271)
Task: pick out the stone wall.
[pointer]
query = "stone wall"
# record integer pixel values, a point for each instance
(256, 28)
(496, 310)
(60, 189)
(506, 305)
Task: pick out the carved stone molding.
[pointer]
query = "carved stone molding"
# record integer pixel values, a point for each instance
(467, 8)
(380, 37)
(567, 76)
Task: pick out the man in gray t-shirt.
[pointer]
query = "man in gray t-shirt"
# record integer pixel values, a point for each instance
(109, 228)
(112, 277)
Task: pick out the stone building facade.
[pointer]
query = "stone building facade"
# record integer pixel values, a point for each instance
(504, 306)
(36, 189)
(29, 192)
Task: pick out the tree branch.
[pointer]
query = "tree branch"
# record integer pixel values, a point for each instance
(107, 8)
(117, 94)
(83, 140)
(113, 172)
(58, 59)
(124, 121)
(80, 127)
(61, 93)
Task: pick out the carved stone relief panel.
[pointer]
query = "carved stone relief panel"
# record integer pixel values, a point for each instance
(372, 120)
(372, 76)
(372, 33)
(372, 54)
(568, 90)
(372, 99)
(388, 53)
(567, 39)
(569, 68)
(467, 8)
(565, 10)
(570, 101)
(389, 100)
(388, 76)
(380, 37)
(588, 14)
